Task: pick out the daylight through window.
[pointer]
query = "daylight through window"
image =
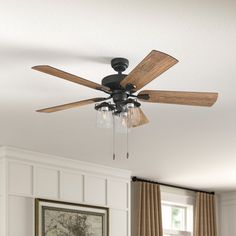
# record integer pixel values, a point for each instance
(177, 219)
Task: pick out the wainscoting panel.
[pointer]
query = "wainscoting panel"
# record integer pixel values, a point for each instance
(28, 175)
(71, 186)
(20, 215)
(2, 215)
(118, 222)
(46, 182)
(117, 194)
(1, 178)
(20, 177)
(95, 190)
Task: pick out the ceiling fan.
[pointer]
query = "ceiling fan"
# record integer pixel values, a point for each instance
(121, 88)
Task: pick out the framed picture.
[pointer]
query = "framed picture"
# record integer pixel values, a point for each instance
(54, 218)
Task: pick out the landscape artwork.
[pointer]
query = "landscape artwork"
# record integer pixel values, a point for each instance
(74, 220)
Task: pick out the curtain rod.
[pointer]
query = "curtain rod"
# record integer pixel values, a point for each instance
(134, 179)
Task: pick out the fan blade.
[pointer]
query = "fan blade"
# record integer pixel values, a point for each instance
(181, 98)
(154, 64)
(71, 105)
(73, 78)
(138, 118)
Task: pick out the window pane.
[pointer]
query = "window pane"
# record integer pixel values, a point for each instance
(178, 218)
(166, 217)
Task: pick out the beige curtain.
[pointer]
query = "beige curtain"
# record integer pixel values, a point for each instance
(205, 216)
(147, 212)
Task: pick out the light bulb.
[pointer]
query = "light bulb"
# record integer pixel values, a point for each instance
(121, 122)
(134, 116)
(104, 118)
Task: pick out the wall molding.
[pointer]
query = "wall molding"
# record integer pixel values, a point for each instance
(17, 154)
(28, 175)
(2, 152)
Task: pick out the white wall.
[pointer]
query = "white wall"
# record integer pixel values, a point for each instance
(2, 194)
(32, 175)
(227, 214)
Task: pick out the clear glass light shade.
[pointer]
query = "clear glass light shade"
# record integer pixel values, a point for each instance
(130, 117)
(121, 122)
(124, 121)
(104, 118)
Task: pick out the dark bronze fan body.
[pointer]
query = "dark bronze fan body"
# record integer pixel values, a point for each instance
(118, 93)
(113, 81)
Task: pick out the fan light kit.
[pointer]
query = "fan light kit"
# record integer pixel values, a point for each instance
(123, 111)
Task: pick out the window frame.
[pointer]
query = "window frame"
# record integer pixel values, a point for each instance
(186, 207)
(177, 233)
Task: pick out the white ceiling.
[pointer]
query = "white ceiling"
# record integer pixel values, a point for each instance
(190, 146)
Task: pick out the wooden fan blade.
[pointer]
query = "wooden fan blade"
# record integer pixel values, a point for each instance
(154, 64)
(71, 105)
(181, 98)
(139, 119)
(73, 78)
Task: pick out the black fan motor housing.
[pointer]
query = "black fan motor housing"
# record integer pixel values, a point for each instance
(113, 81)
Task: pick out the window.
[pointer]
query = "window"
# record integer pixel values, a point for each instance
(177, 219)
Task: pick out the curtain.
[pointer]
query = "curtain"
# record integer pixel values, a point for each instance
(147, 209)
(205, 216)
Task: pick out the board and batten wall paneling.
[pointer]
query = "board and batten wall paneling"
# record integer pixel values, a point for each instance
(20, 216)
(119, 222)
(28, 178)
(95, 190)
(20, 178)
(117, 194)
(2, 215)
(71, 186)
(46, 182)
(1, 178)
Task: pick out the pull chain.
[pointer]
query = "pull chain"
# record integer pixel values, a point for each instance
(127, 139)
(114, 141)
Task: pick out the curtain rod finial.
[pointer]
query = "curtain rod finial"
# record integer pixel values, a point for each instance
(134, 178)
